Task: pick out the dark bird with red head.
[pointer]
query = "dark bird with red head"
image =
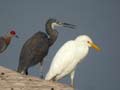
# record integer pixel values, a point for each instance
(5, 40)
(36, 48)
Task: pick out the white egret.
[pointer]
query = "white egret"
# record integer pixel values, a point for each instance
(68, 56)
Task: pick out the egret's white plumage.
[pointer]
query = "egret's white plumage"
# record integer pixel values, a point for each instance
(68, 56)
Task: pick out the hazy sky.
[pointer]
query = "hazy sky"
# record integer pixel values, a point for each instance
(100, 19)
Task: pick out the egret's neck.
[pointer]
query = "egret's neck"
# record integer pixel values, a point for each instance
(82, 48)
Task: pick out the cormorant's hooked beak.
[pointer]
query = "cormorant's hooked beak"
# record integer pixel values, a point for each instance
(67, 25)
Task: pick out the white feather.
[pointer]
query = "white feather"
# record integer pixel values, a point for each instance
(54, 24)
(68, 56)
(66, 59)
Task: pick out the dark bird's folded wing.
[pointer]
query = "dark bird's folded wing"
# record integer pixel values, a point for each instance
(3, 45)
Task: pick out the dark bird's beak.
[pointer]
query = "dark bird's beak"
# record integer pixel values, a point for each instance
(68, 25)
(16, 36)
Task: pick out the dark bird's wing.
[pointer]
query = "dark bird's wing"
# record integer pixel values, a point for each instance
(3, 45)
(33, 51)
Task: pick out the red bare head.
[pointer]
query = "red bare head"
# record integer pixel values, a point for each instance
(13, 33)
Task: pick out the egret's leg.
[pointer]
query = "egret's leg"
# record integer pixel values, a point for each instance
(72, 78)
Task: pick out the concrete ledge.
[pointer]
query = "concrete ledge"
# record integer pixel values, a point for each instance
(11, 80)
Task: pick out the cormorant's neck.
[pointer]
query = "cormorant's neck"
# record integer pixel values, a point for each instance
(52, 34)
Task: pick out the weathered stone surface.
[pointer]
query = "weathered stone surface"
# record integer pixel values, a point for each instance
(11, 80)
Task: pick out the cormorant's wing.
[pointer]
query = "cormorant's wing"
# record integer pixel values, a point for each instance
(33, 51)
